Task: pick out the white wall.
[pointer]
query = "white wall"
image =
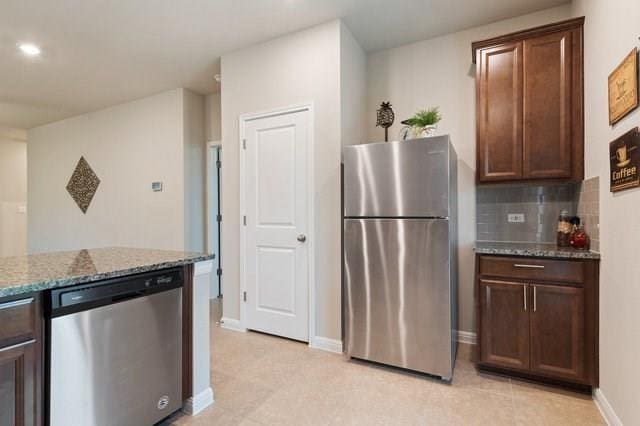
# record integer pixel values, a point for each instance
(213, 118)
(195, 161)
(13, 192)
(439, 72)
(611, 31)
(128, 146)
(295, 69)
(353, 88)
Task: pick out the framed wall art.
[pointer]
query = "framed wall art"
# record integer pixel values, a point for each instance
(624, 158)
(623, 88)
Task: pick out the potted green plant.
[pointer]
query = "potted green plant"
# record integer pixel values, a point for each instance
(424, 122)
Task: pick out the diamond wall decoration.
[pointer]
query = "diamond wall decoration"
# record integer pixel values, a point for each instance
(83, 185)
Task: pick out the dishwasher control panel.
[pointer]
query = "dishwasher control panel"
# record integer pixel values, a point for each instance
(70, 299)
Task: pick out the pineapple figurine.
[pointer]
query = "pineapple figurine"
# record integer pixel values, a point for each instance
(385, 117)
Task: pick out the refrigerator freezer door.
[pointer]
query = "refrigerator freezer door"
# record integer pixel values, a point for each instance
(398, 307)
(397, 179)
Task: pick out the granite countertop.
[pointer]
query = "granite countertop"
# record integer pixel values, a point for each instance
(533, 250)
(24, 274)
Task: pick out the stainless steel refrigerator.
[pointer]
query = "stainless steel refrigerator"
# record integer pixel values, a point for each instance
(400, 254)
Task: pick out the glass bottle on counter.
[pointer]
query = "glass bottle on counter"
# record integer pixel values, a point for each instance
(579, 238)
(564, 229)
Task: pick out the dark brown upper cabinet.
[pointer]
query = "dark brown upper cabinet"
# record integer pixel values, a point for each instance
(529, 105)
(499, 103)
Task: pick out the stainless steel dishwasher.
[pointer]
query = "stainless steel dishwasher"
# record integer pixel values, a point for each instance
(115, 351)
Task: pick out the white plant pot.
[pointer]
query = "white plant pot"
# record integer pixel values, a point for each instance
(427, 131)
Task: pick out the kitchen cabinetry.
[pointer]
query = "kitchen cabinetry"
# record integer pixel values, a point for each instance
(557, 331)
(529, 105)
(538, 318)
(21, 361)
(505, 323)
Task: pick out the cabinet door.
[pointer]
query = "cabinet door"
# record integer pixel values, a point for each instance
(504, 324)
(499, 107)
(19, 395)
(558, 331)
(547, 96)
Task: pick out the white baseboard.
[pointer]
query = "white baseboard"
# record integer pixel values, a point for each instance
(232, 324)
(605, 408)
(199, 402)
(325, 344)
(466, 337)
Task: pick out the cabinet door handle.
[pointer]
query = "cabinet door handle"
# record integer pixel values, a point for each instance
(16, 303)
(535, 298)
(524, 295)
(18, 345)
(524, 265)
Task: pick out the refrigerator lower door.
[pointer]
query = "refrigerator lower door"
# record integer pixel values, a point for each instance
(398, 293)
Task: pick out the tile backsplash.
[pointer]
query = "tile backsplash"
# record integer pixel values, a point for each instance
(540, 207)
(589, 209)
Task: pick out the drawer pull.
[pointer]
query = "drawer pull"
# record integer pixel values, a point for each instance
(523, 265)
(524, 293)
(8, 348)
(16, 303)
(535, 298)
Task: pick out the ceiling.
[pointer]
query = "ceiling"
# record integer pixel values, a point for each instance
(97, 53)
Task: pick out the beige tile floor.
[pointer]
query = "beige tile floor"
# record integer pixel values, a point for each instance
(264, 380)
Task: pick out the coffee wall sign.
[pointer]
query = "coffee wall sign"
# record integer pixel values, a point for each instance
(623, 88)
(624, 157)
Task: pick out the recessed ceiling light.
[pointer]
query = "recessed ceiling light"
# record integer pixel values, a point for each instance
(29, 49)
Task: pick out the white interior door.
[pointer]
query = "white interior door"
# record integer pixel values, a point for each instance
(276, 258)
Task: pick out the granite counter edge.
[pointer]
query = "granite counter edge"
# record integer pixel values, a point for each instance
(557, 254)
(37, 286)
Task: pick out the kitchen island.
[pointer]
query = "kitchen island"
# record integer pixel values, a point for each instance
(26, 284)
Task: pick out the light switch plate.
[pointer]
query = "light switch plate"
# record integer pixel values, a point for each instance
(515, 217)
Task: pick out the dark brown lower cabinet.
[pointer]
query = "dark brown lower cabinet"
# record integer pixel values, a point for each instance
(21, 396)
(535, 325)
(557, 331)
(505, 323)
(19, 404)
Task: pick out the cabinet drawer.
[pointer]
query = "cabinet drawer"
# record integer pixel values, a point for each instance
(18, 319)
(526, 268)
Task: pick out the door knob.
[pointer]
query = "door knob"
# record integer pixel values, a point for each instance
(302, 238)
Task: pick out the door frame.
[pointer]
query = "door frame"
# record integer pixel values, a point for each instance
(210, 222)
(242, 120)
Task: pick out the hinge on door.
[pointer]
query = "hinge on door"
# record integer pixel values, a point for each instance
(245, 296)
(219, 164)
(219, 218)
(244, 144)
(219, 271)
(244, 220)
